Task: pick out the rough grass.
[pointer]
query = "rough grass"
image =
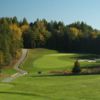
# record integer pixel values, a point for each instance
(6, 72)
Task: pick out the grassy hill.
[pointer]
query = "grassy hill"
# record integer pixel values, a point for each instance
(38, 87)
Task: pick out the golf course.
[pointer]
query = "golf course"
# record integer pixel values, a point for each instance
(44, 86)
(49, 50)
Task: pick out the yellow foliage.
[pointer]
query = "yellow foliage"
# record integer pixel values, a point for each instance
(16, 32)
(93, 35)
(1, 57)
(42, 37)
(18, 53)
(74, 32)
(24, 28)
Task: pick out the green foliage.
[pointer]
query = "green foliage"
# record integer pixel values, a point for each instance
(5, 38)
(10, 40)
(76, 69)
(25, 22)
(14, 20)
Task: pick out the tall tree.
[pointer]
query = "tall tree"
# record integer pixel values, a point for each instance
(16, 40)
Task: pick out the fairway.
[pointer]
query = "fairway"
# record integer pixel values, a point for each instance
(52, 88)
(37, 87)
(53, 61)
(60, 61)
(50, 60)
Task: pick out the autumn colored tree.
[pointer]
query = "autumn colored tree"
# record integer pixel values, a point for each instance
(16, 41)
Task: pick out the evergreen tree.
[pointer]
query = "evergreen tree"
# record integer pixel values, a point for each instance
(76, 69)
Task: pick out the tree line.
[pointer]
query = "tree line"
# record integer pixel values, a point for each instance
(76, 37)
(10, 40)
(14, 35)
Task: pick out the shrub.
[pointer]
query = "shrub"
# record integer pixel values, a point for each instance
(39, 72)
(76, 69)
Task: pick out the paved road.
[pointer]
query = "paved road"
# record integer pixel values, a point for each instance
(20, 72)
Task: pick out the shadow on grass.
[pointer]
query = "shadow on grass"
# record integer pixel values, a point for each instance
(61, 75)
(19, 93)
(92, 67)
(93, 70)
(25, 94)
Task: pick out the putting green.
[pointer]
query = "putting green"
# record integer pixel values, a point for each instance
(51, 61)
(61, 61)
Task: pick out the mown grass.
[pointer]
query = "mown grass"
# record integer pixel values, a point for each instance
(62, 62)
(38, 87)
(33, 55)
(48, 60)
(52, 88)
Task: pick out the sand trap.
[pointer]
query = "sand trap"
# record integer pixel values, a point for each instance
(86, 60)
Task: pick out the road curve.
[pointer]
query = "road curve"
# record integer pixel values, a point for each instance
(20, 72)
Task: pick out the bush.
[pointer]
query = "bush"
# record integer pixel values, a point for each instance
(76, 69)
(39, 72)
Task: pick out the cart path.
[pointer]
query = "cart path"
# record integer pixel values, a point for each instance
(20, 72)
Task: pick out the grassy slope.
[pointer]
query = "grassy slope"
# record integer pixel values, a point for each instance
(52, 88)
(33, 55)
(32, 87)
